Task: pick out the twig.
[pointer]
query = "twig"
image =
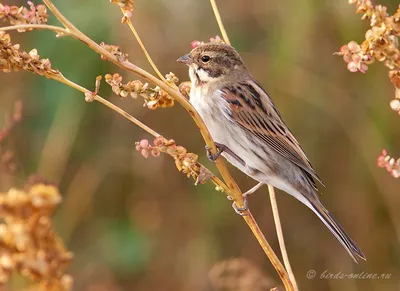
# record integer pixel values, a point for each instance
(279, 233)
(68, 82)
(146, 53)
(269, 251)
(219, 21)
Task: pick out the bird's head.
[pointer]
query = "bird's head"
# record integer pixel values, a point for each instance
(211, 62)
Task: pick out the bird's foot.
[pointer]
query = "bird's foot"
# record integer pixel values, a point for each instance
(220, 149)
(240, 210)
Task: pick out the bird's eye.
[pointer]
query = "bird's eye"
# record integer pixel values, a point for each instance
(205, 59)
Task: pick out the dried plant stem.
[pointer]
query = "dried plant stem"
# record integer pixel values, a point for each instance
(68, 82)
(279, 233)
(219, 21)
(269, 252)
(146, 53)
(57, 29)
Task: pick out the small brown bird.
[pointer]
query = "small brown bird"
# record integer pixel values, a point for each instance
(249, 131)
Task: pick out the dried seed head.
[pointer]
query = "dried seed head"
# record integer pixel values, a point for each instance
(184, 161)
(30, 247)
(15, 15)
(380, 44)
(12, 59)
(391, 165)
(115, 50)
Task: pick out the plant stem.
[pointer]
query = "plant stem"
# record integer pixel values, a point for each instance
(57, 29)
(269, 251)
(219, 21)
(68, 82)
(279, 233)
(146, 53)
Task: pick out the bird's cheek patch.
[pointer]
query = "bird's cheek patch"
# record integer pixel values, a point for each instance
(204, 76)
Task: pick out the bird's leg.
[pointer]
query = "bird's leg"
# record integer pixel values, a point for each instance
(239, 210)
(252, 190)
(220, 149)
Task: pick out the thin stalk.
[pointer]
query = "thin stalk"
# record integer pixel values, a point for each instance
(279, 233)
(125, 114)
(219, 21)
(146, 53)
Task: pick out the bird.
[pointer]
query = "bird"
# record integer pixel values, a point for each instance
(250, 133)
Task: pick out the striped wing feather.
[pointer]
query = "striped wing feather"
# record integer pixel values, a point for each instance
(251, 107)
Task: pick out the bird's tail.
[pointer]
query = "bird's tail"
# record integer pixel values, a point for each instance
(337, 230)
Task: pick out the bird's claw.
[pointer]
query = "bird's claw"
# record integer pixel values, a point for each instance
(213, 157)
(240, 210)
(220, 149)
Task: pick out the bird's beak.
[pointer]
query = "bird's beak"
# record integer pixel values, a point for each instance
(186, 59)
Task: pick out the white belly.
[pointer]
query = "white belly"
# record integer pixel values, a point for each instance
(224, 131)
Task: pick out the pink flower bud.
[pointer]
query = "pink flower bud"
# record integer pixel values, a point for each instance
(144, 143)
(145, 153)
(395, 104)
(195, 43)
(352, 67)
(353, 46)
(344, 49)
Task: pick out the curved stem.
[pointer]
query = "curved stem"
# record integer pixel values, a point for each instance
(37, 26)
(279, 233)
(68, 82)
(219, 21)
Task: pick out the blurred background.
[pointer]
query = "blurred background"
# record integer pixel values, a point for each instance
(138, 224)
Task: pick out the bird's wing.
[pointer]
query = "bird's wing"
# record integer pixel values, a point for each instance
(251, 107)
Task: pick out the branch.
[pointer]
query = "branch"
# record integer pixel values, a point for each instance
(146, 53)
(279, 232)
(219, 21)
